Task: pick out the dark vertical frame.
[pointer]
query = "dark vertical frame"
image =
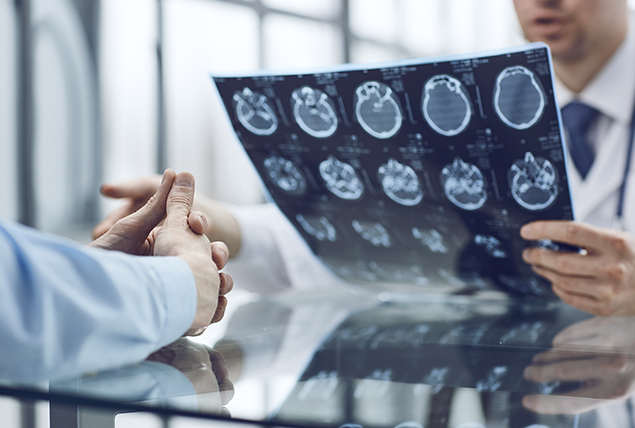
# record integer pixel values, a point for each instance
(25, 114)
(162, 148)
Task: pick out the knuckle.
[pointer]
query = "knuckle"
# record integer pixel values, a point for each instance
(616, 271)
(571, 232)
(619, 244)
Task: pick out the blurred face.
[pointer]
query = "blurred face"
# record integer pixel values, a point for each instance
(573, 29)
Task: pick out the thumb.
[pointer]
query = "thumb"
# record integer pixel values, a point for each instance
(153, 212)
(180, 200)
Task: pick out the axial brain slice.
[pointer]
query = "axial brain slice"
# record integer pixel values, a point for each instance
(445, 105)
(375, 233)
(377, 109)
(314, 111)
(464, 185)
(284, 174)
(518, 99)
(400, 183)
(534, 182)
(341, 179)
(318, 226)
(254, 112)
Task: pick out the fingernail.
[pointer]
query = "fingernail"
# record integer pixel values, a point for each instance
(203, 221)
(184, 180)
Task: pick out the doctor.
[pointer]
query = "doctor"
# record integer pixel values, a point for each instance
(594, 60)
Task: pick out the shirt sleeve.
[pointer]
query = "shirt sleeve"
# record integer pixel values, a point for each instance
(67, 309)
(273, 255)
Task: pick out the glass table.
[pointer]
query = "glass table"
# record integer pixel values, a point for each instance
(351, 359)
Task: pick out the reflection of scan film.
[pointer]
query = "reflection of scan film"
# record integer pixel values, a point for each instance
(375, 233)
(255, 113)
(445, 105)
(285, 175)
(494, 379)
(318, 226)
(314, 111)
(464, 185)
(413, 275)
(431, 239)
(377, 109)
(341, 179)
(534, 182)
(518, 98)
(491, 245)
(400, 183)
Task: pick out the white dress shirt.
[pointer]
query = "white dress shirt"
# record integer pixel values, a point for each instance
(67, 309)
(612, 93)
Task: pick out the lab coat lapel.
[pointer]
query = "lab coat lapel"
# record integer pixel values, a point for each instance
(603, 180)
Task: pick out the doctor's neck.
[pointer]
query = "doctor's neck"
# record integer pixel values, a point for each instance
(577, 69)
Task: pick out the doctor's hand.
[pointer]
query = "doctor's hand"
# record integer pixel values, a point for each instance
(132, 234)
(600, 280)
(176, 238)
(220, 222)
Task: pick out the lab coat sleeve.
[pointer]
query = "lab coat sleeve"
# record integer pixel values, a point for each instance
(67, 309)
(273, 255)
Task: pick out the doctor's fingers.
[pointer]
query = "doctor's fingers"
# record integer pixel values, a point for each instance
(560, 404)
(569, 232)
(574, 264)
(136, 193)
(580, 369)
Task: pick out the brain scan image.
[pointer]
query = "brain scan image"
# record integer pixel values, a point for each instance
(534, 182)
(445, 105)
(377, 109)
(285, 175)
(413, 275)
(254, 111)
(518, 98)
(375, 233)
(464, 185)
(341, 179)
(400, 183)
(431, 239)
(491, 245)
(318, 226)
(314, 111)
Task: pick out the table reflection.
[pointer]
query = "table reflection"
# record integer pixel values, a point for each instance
(355, 361)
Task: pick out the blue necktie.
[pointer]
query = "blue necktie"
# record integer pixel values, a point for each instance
(577, 119)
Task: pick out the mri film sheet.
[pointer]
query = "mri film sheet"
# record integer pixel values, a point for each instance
(417, 173)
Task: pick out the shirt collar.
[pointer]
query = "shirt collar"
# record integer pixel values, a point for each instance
(606, 91)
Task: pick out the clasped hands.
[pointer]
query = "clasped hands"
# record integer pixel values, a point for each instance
(165, 225)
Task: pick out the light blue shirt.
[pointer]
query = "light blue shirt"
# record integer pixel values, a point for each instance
(67, 309)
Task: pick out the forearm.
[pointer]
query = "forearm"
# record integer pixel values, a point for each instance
(66, 310)
(223, 226)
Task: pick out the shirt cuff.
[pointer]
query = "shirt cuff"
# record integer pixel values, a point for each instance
(179, 296)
